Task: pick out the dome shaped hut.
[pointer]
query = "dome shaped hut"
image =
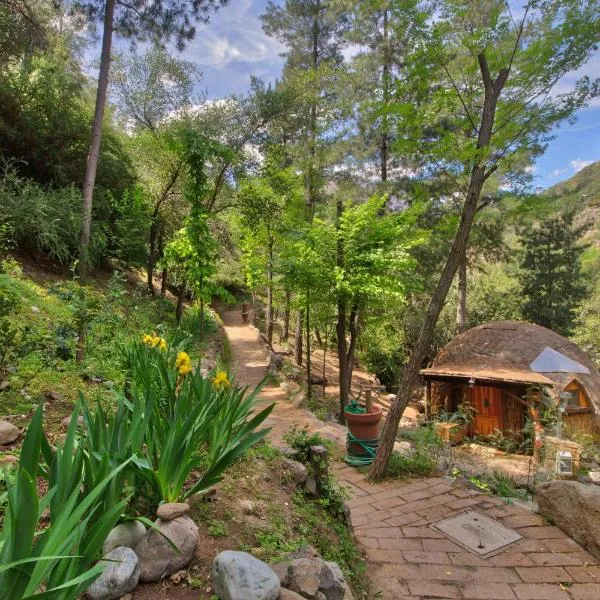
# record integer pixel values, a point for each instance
(505, 370)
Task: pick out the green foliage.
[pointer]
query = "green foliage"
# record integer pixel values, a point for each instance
(498, 484)
(551, 277)
(194, 424)
(43, 219)
(301, 440)
(423, 458)
(60, 558)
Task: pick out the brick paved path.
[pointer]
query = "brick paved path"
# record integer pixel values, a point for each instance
(406, 558)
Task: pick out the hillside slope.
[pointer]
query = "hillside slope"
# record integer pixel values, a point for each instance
(581, 194)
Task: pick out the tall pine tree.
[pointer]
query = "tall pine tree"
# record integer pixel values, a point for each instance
(551, 277)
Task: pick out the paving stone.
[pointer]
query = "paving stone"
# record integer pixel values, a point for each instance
(496, 574)
(540, 533)
(401, 544)
(432, 589)
(441, 546)
(539, 591)
(543, 574)
(386, 556)
(511, 559)
(421, 532)
(590, 574)
(466, 559)
(436, 558)
(481, 591)
(558, 559)
(585, 591)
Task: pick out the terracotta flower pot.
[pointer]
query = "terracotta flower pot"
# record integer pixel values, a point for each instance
(365, 426)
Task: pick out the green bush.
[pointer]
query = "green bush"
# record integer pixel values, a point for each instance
(44, 219)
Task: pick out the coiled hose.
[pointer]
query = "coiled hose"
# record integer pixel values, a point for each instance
(366, 455)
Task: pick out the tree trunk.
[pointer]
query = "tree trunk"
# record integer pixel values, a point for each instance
(341, 321)
(478, 176)
(270, 293)
(152, 255)
(342, 357)
(461, 308)
(298, 337)
(180, 299)
(318, 337)
(163, 282)
(353, 326)
(96, 137)
(286, 317)
(201, 318)
(308, 361)
(385, 86)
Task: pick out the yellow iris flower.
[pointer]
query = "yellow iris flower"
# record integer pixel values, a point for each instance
(220, 380)
(183, 363)
(154, 340)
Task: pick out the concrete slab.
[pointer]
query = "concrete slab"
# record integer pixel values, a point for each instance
(477, 533)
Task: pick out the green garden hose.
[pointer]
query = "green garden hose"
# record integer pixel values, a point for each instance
(355, 408)
(366, 457)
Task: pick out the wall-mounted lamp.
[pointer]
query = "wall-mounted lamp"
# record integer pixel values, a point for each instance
(472, 382)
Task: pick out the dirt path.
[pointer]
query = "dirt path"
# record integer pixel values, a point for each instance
(406, 558)
(250, 366)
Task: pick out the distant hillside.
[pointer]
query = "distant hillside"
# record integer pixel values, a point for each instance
(581, 194)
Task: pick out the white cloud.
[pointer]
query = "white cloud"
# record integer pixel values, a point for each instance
(558, 172)
(579, 164)
(233, 35)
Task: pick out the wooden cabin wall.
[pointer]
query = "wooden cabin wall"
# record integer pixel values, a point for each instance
(582, 423)
(513, 414)
(439, 391)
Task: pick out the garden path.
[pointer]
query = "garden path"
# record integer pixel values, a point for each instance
(391, 520)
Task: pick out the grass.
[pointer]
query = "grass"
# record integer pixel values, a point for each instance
(45, 317)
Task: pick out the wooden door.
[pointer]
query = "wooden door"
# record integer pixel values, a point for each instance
(487, 402)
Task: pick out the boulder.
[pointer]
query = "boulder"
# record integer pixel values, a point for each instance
(8, 433)
(120, 575)
(126, 534)
(172, 510)
(296, 469)
(247, 507)
(241, 576)
(66, 421)
(575, 508)
(315, 579)
(281, 570)
(158, 558)
(289, 595)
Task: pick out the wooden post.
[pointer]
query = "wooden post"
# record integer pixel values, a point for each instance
(368, 400)
(427, 399)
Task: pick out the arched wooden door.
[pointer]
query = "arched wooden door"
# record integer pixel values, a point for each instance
(487, 402)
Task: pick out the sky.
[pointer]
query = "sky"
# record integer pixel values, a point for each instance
(232, 47)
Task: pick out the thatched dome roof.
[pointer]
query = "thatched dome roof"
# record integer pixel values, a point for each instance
(504, 351)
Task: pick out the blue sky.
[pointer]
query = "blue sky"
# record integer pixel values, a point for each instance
(233, 46)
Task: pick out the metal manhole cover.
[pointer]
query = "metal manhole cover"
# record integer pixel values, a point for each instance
(477, 533)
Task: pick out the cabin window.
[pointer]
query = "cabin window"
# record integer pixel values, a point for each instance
(574, 396)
